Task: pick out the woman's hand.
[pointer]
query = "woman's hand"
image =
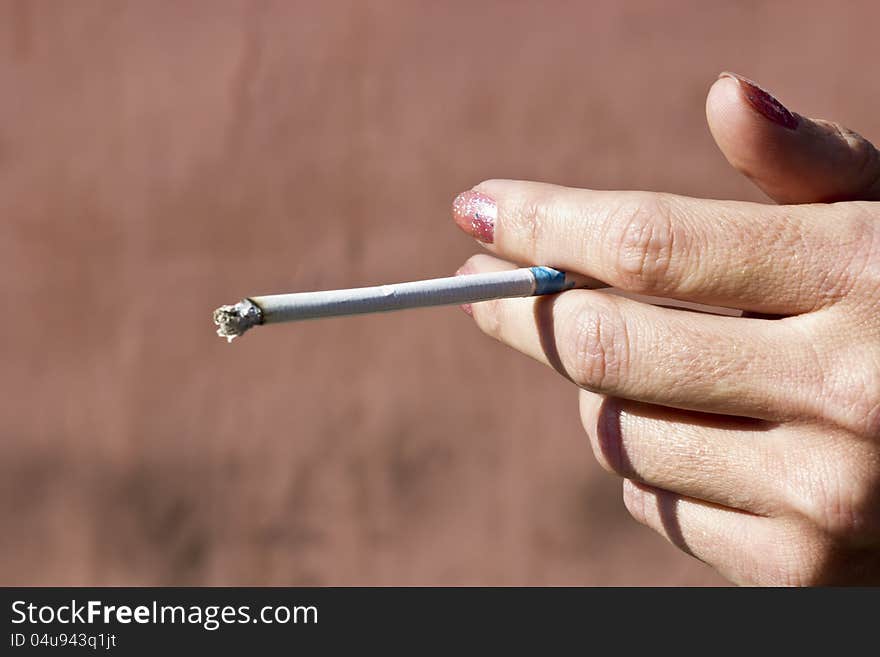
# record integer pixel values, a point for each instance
(751, 442)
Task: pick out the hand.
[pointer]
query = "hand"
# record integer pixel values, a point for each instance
(752, 442)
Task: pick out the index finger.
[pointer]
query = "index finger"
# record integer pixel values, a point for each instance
(763, 258)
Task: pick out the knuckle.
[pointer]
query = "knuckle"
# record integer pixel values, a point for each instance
(643, 239)
(803, 563)
(815, 260)
(852, 392)
(599, 347)
(529, 223)
(866, 159)
(856, 266)
(820, 560)
(844, 500)
(839, 509)
(864, 404)
(797, 555)
(862, 271)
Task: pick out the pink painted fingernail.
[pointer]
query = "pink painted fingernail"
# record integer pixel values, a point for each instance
(765, 103)
(475, 214)
(465, 307)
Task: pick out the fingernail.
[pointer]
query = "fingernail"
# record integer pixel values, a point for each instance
(475, 214)
(465, 307)
(765, 103)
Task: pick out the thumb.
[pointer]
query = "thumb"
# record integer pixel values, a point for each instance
(792, 158)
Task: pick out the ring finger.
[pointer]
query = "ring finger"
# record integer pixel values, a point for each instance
(724, 460)
(624, 348)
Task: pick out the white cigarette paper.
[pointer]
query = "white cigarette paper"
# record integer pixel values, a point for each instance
(233, 321)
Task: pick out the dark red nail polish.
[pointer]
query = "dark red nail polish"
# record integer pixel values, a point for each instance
(764, 103)
(475, 214)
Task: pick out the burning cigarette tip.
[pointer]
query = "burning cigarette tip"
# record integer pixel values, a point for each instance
(232, 321)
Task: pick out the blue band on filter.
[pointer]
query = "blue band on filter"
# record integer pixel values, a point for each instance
(549, 280)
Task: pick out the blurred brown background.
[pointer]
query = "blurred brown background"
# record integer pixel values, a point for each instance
(158, 159)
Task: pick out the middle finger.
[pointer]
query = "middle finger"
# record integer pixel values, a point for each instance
(625, 348)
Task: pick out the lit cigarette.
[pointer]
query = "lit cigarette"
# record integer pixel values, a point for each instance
(233, 321)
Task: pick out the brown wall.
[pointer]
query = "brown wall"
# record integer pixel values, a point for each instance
(160, 158)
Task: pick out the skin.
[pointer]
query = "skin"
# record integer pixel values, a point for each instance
(750, 442)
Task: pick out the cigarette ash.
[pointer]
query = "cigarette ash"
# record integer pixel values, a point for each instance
(233, 321)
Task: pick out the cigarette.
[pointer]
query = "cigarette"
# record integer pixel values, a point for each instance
(233, 321)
